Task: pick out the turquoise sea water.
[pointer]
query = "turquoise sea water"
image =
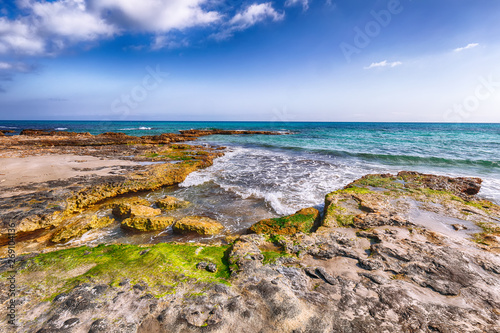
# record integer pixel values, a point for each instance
(294, 171)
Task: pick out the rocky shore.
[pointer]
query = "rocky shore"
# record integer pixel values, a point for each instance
(407, 252)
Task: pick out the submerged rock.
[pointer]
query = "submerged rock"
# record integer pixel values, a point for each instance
(302, 221)
(197, 224)
(140, 223)
(170, 203)
(124, 211)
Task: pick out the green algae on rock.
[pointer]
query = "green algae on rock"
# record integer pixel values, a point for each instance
(171, 203)
(78, 228)
(141, 223)
(160, 266)
(303, 220)
(198, 224)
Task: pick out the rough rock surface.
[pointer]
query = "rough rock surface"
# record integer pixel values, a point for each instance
(124, 211)
(140, 223)
(73, 230)
(198, 224)
(302, 221)
(170, 203)
(376, 264)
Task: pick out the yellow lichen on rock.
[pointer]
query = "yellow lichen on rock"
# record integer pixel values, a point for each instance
(141, 223)
(124, 211)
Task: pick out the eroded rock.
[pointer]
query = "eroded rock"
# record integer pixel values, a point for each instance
(170, 203)
(142, 223)
(198, 224)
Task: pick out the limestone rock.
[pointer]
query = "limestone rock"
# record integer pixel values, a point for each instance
(198, 224)
(170, 203)
(124, 211)
(79, 228)
(140, 223)
(302, 221)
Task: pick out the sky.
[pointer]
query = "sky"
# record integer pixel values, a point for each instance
(286, 60)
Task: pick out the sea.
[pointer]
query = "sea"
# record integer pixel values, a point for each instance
(283, 173)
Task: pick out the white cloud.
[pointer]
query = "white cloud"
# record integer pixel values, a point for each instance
(46, 27)
(254, 14)
(17, 67)
(49, 26)
(5, 65)
(69, 18)
(162, 42)
(469, 46)
(156, 15)
(304, 3)
(19, 37)
(384, 64)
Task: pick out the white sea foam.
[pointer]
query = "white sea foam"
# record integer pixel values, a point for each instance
(286, 181)
(136, 129)
(60, 128)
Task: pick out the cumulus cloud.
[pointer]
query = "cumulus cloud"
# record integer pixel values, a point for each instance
(155, 15)
(48, 26)
(252, 15)
(304, 3)
(469, 46)
(69, 18)
(384, 64)
(19, 37)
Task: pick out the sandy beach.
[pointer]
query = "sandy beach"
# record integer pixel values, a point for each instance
(15, 171)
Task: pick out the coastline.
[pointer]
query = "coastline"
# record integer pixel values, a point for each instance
(369, 250)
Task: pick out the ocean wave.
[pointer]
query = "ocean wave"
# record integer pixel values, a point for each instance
(8, 127)
(60, 128)
(283, 181)
(136, 129)
(406, 160)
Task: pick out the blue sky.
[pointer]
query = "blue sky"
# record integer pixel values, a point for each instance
(291, 60)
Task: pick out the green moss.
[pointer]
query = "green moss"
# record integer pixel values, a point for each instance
(275, 239)
(161, 266)
(302, 221)
(270, 257)
(377, 181)
(345, 221)
(151, 155)
(489, 228)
